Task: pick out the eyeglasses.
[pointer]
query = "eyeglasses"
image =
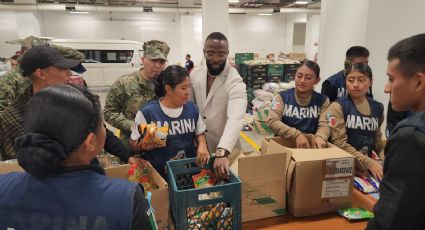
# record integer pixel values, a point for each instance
(219, 55)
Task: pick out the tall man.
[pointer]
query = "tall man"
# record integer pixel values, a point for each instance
(334, 86)
(402, 191)
(220, 94)
(130, 92)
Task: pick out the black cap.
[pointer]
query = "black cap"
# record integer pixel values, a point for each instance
(79, 69)
(42, 57)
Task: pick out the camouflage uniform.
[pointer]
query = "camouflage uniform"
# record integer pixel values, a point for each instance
(14, 83)
(130, 92)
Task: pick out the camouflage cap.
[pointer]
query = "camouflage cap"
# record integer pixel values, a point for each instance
(32, 41)
(155, 49)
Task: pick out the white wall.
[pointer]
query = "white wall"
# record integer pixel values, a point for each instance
(191, 38)
(343, 24)
(299, 37)
(104, 25)
(8, 31)
(388, 22)
(258, 34)
(312, 36)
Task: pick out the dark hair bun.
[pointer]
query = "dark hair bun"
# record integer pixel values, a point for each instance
(39, 155)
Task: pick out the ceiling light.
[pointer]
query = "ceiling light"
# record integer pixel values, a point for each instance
(301, 2)
(78, 12)
(233, 1)
(265, 14)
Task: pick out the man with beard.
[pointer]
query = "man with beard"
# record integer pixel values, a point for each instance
(130, 92)
(220, 94)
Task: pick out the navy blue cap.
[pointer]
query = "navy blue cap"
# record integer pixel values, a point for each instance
(42, 57)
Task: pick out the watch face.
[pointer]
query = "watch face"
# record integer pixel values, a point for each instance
(220, 153)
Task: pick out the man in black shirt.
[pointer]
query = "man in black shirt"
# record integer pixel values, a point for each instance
(189, 63)
(402, 190)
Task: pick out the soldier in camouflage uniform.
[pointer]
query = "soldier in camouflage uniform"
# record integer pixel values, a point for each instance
(14, 83)
(130, 92)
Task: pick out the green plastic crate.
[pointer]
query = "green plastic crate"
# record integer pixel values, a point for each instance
(186, 200)
(241, 57)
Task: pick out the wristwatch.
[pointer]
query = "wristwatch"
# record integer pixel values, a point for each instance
(220, 153)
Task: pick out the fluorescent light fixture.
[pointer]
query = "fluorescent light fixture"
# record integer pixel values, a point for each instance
(265, 14)
(233, 1)
(78, 12)
(301, 2)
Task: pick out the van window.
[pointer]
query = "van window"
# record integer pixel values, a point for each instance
(107, 56)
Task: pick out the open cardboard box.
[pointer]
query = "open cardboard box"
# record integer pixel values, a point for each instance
(160, 199)
(318, 180)
(263, 183)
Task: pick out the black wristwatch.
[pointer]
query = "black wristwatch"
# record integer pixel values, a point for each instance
(220, 153)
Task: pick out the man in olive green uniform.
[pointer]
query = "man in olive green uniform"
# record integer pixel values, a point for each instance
(130, 92)
(14, 83)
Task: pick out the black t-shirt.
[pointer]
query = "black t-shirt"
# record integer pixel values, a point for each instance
(189, 65)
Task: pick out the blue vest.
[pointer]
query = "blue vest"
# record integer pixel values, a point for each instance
(181, 134)
(303, 118)
(338, 80)
(361, 129)
(76, 200)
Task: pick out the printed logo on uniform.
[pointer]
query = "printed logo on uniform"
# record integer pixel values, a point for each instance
(331, 119)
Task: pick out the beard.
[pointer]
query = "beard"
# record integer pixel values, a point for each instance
(215, 71)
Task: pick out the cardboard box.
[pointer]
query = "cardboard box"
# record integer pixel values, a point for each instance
(160, 199)
(318, 180)
(263, 184)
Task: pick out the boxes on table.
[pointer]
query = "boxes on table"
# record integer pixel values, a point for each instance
(215, 207)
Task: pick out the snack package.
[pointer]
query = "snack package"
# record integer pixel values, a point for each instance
(141, 176)
(364, 185)
(151, 133)
(355, 213)
(204, 179)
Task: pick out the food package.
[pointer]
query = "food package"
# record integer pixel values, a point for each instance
(263, 95)
(366, 184)
(141, 176)
(355, 213)
(271, 87)
(151, 133)
(204, 179)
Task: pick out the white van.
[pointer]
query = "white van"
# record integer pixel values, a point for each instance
(106, 60)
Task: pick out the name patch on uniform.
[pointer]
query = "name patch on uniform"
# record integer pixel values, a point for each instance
(180, 127)
(302, 112)
(362, 123)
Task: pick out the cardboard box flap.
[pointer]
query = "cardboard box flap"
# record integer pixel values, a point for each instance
(121, 172)
(302, 155)
(10, 167)
(273, 166)
(290, 171)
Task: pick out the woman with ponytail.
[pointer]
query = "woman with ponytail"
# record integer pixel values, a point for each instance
(63, 133)
(186, 129)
